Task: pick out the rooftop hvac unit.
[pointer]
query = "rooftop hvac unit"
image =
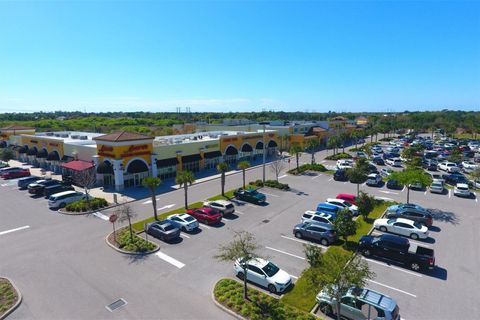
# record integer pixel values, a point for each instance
(74, 136)
(49, 134)
(64, 135)
(56, 134)
(83, 137)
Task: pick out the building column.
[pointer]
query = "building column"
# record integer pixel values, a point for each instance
(153, 166)
(98, 176)
(202, 160)
(118, 172)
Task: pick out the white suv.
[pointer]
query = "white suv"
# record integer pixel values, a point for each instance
(60, 200)
(225, 207)
(449, 167)
(461, 190)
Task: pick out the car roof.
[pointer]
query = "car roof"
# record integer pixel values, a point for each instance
(335, 199)
(346, 195)
(327, 206)
(258, 262)
(320, 214)
(462, 185)
(222, 202)
(375, 298)
(372, 175)
(403, 220)
(396, 239)
(319, 224)
(64, 193)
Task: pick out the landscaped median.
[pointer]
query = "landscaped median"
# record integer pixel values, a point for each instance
(303, 294)
(260, 306)
(123, 242)
(84, 206)
(317, 167)
(10, 298)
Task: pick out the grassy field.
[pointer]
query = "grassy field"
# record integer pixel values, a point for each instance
(8, 296)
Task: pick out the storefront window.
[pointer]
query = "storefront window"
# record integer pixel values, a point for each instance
(193, 166)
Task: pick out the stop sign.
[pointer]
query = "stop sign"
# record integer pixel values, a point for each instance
(113, 218)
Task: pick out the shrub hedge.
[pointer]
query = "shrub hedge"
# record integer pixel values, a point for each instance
(269, 183)
(339, 156)
(261, 306)
(83, 205)
(308, 166)
(135, 244)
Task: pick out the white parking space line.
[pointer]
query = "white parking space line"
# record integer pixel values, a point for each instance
(345, 182)
(388, 192)
(13, 230)
(170, 260)
(403, 188)
(271, 195)
(236, 211)
(168, 206)
(384, 198)
(379, 233)
(294, 277)
(393, 267)
(101, 216)
(330, 179)
(384, 285)
(316, 176)
(206, 227)
(288, 254)
(449, 193)
(252, 205)
(281, 177)
(184, 235)
(305, 242)
(425, 192)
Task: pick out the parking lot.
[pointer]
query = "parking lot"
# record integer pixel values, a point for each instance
(69, 255)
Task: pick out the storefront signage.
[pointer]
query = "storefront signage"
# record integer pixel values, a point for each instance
(34, 141)
(104, 152)
(137, 150)
(254, 137)
(51, 144)
(230, 139)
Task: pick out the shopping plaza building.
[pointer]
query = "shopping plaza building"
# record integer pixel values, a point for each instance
(123, 159)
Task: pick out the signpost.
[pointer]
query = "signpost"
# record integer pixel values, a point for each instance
(113, 217)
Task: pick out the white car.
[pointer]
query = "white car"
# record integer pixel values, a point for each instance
(385, 172)
(344, 164)
(437, 187)
(469, 166)
(60, 200)
(264, 273)
(462, 190)
(394, 162)
(184, 222)
(311, 216)
(224, 206)
(449, 167)
(361, 154)
(403, 227)
(342, 204)
(374, 179)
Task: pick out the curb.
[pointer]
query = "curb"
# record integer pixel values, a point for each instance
(222, 307)
(15, 306)
(68, 213)
(128, 252)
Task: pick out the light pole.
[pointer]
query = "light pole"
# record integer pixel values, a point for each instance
(264, 153)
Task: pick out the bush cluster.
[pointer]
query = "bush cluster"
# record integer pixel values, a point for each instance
(83, 205)
(135, 244)
(8, 297)
(386, 139)
(269, 183)
(261, 306)
(308, 167)
(338, 156)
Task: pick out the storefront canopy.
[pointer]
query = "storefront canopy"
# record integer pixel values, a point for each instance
(211, 155)
(78, 165)
(231, 151)
(272, 144)
(137, 166)
(247, 148)
(53, 156)
(105, 168)
(259, 145)
(191, 158)
(167, 162)
(23, 149)
(32, 152)
(42, 154)
(3, 144)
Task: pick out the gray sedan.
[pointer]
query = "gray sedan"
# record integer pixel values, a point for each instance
(322, 232)
(162, 230)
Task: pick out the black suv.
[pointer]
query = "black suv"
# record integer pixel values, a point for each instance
(340, 175)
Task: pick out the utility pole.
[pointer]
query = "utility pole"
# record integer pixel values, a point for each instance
(264, 153)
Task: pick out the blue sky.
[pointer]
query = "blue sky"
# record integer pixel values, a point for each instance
(232, 56)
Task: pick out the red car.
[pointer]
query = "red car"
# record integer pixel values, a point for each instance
(17, 173)
(350, 198)
(206, 215)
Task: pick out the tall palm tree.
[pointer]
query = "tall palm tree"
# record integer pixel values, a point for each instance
(296, 150)
(184, 179)
(152, 183)
(222, 168)
(243, 165)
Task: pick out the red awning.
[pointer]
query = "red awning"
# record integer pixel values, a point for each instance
(78, 165)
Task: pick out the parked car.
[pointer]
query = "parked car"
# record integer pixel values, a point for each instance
(386, 172)
(437, 187)
(399, 250)
(323, 233)
(394, 184)
(183, 221)
(51, 190)
(343, 204)
(403, 227)
(344, 164)
(327, 208)
(318, 217)
(163, 230)
(7, 169)
(361, 154)
(455, 178)
(4, 164)
(356, 301)
(348, 197)
(23, 183)
(60, 200)
(416, 185)
(250, 195)
(374, 179)
(449, 167)
(469, 166)
(372, 168)
(429, 165)
(263, 273)
(394, 162)
(225, 207)
(16, 173)
(462, 190)
(378, 161)
(206, 215)
(410, 211)
(340, 175)
(37, 188)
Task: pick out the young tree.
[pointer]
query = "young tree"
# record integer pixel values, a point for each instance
(358, 173)
(313, 254)
(86, 179)
(312, 146)
(243, 247)
(366, 203)
(296, 150)
(184, 179)
(7, 154)
(277, 166)
(340, 273)
(152, 183)
(410, 176)
(222, 168)
(345, 225)
(125, 212)
(243, 165)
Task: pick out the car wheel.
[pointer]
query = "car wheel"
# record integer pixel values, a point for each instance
(366, 253)
(324, 242)
(326, 309)
(272, 288)
(383, 229)
(415, 266)
(241, 276)
(184, 229)
(298, 235)
(414, 236)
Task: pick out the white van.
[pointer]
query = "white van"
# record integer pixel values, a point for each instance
(60, 200)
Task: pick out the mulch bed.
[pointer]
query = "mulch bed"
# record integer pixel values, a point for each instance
(8, 295)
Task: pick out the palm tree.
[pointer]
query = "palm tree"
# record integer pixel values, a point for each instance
(152, 183)
(312, 146)
(185, 178)
(222, 168)
(296, 150)
(243, 165)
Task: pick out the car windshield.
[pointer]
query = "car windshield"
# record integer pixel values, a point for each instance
(270, 269)
(253, 192)
(462, 188)
(188, 218)
(347, 204)
(390, 221)
(168, 227)
(417, 225)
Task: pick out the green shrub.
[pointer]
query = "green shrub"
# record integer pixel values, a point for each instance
(339, 156)
(276, 184)
(135, 244)
(83, 205)
(308, 166)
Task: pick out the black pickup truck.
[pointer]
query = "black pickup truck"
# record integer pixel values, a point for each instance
(397, 249)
